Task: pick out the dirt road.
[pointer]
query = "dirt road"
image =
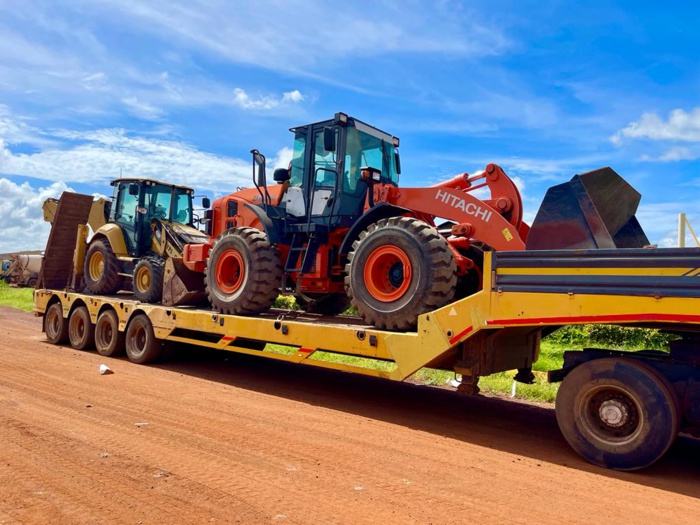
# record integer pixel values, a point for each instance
(203, 440)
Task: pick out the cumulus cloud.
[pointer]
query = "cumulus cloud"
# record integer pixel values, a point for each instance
(245, 101)
(101, 155)
(21, 216)
(680, 126)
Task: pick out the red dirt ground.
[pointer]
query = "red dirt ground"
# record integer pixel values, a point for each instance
(232, 439)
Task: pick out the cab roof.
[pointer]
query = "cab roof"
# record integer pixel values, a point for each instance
(150, 182)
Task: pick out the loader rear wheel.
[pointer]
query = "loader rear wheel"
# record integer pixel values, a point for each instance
(109, 341)
(81, 331)
(398, 269)
(141, 344)
(55, 325)
(243, 273)
(618, 413)
(148, 279)
(102, 268)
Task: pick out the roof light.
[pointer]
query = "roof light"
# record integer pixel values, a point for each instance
(341, 118)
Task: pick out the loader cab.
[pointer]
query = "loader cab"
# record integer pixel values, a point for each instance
(326, 173)
(136, 202)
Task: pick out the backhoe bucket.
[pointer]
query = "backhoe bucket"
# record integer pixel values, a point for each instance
(592, 210)
(181, 285)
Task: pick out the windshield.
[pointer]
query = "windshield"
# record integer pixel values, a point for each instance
(365, 150)
(183, 206)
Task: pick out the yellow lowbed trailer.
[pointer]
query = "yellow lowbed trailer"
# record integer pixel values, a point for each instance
(617, 409)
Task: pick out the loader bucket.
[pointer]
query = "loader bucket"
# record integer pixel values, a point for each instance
(181, 285)
(592, 210)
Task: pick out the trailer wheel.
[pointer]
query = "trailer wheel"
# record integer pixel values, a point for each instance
(398, 269)
(142, 346)
(109, 341)
(618, 413)
(101, 270)
(148, 279)
(55, 325)
(81, 331)
(243, 273)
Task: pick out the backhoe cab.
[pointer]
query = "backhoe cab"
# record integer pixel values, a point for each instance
(149, 222)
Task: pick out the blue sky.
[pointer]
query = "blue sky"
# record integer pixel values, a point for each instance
(182, 90)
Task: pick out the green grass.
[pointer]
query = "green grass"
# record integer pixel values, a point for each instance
(20, 298)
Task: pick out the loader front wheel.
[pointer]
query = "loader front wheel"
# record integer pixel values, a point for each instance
(243, 272)
(398, 269)
(102, 269)
(148, 279)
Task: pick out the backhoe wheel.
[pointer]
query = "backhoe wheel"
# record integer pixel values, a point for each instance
(141, 344)
(102, 268)
(243, 273)
(109, 341)
(81, 331)
(55, 325)
(398, 269)
(618, 413)
(148, 279)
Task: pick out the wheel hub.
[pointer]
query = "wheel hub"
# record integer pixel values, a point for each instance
(613, 413)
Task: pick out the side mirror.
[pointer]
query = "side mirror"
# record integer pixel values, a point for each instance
(259, 159)
(206, 203)
(281, 175)
(397, 161)
(329, 139)
(133, 188)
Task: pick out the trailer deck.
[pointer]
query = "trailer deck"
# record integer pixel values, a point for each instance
(525, 295)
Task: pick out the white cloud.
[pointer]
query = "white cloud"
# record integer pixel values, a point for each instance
(21, 216)
(245, 101)
(681, 126)
(101, 155)
(673, 154)
(142, 110)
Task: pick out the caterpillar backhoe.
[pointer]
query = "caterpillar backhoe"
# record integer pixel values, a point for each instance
(138, 236)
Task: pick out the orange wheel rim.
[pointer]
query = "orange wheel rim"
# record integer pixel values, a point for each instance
(387, 273)
(230, 271)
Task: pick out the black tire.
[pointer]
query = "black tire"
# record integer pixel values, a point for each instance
(243, 273)
(81, 331)
(32, 282)
(376, 281)
(618, 413)
(332, 304)
(148, 279)
(55, 325)
(101, 271)
(141, 344)
(109, 341)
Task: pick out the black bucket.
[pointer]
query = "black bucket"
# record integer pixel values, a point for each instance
(592, 210)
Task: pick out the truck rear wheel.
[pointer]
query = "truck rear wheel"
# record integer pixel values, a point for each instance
(102, 268)
(81, 331)
(243, 273)
(109, 341)
(618, 413)
(148, 279)
(55, 325)
(142, 346)
(398, 269)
